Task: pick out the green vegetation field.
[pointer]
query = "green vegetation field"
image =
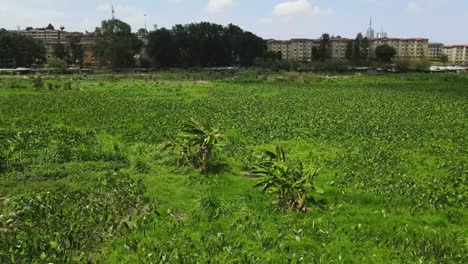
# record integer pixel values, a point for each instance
(82, 176)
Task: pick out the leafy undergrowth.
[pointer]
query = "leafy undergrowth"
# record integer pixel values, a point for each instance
(64, 226)
(391, 149)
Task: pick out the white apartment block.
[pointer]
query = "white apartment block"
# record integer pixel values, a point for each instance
(457, 54)
(406, 48)
(435, 51)
(295, 49)
(338, 48)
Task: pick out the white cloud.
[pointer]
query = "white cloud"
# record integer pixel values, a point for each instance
(32, 14)
(298, 7)
(219, 6)
(322, 11)
(291, 8)
(413, 7)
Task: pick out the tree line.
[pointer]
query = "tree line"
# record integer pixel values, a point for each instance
(19, 51)
(192, 45)
(204, 45)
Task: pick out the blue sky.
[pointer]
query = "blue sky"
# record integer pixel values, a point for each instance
(439, 20)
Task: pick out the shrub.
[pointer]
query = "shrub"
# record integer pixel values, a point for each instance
(403, 65)
(294, 76)
(67, 86)
(196, 144)
(38, 83)
(291, 184)
(58, 66)
(62, 227)
(422, 65)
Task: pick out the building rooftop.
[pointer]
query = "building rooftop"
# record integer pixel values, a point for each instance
(80, 35)
(457, 46)
(341, 39)
(418, 39)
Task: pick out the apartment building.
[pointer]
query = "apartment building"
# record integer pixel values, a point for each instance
(457, 54)
(44, 35)
(48, 36)
(435, 51)
(406, 48)
(295, 49)
(338, 48)
(86, 41)
(279, 46)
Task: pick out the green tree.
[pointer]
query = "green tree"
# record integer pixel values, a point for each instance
(162, 48)
(60, 51)
(444, 59)
(204, 45)
(58, 66)
(385, 53)
(115, 44)
(422, 65)
(357, 49)
(20, 51)
(76, 51)
(349, 51)
(324, 52)
(50, 27)
(142, 33)
(365, 45)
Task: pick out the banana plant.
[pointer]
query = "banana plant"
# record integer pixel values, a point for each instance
(198, 140)
(291, 184)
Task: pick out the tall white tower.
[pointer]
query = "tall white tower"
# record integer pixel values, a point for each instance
(370, 32)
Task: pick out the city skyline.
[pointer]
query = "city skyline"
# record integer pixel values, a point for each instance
(440, 21)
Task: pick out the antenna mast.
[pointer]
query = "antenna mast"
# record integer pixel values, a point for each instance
(113, 12)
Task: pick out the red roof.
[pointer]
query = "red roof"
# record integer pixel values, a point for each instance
(342, 39)
(398, 39)
(457, 46)
(80, 35)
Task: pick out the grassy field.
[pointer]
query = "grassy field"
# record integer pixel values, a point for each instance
(82, 177)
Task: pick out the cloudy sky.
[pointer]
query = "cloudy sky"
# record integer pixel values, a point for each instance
(439, 20)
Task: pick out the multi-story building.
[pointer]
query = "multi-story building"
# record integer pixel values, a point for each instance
(381, 34)
(408, 48)
(295, 49)
(48, 36)
(338, 48)
(52, 38)
(457, 54)
(279, 46)
(435, 50)
(86, 41)
(370, 31)
(301, 49)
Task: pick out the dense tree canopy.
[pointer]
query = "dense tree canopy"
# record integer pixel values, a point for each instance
(385, 53)
(323, 53)
(116, 45)
(19, 51)
(204, 45)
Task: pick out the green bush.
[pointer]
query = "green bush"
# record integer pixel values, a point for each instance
(198, 140)
(38, 83)
(63, 227)
(58, 66)
(289, 182)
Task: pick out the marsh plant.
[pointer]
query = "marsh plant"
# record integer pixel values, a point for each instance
(289, 182)
(196, 144)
